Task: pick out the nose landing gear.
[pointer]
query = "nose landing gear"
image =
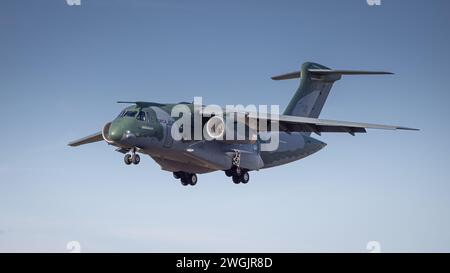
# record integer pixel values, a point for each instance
(135, 159)
(127, 159)
(132, 158)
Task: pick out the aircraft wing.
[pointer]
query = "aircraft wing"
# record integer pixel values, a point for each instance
(88, 139)
(304, 124)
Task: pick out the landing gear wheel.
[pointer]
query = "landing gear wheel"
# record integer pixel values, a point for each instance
(192, 179)
(127, 159)
(135, 159)
(176, 175)
(245, 177)
(236, 179)
(186, 178)
(184, 182)
(229, 173)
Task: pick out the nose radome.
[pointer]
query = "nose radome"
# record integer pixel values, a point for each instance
(115, 132)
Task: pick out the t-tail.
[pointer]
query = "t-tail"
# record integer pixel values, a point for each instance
(315, 84)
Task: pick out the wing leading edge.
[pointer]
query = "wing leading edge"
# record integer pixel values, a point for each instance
(304, 124)
(88, 139)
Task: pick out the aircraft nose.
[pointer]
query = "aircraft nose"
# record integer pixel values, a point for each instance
(115, 132)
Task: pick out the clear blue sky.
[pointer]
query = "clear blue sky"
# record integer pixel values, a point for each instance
(62, 68)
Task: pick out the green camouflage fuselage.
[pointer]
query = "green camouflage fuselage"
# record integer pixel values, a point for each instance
(151, 134)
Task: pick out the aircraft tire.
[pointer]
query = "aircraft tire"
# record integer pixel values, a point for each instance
(236, 179)
(245, 177)
(192, 179)
(136, 159)
(184, 181)
(229, 173)
(127, 159)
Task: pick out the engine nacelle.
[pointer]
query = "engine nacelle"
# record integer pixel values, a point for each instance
(217, 129)
(214, 128)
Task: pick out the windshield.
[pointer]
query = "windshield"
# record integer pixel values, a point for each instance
(121, 114)
(129, 114)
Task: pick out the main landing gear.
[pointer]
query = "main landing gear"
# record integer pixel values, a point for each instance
(132, 158)
(186, 178)
(238, 175)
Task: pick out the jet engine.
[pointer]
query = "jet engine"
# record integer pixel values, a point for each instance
(215, 128)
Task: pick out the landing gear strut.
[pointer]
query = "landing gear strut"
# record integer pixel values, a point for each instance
(132, 158)
(186, 178)
(238, 174)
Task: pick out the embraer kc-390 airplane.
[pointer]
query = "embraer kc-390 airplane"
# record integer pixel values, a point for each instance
(145, 127)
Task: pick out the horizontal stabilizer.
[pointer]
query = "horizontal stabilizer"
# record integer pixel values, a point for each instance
(321, 72)
(348, 72)
(288, 76)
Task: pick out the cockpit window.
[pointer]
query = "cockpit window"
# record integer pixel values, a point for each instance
(130, 114)
(121, 114)
(141, 116)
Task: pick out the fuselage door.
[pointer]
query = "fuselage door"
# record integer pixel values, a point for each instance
(168, 140)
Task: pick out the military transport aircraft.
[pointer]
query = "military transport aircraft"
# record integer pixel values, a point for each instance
(145, 127)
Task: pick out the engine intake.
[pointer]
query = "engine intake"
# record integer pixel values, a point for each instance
(214, 128)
